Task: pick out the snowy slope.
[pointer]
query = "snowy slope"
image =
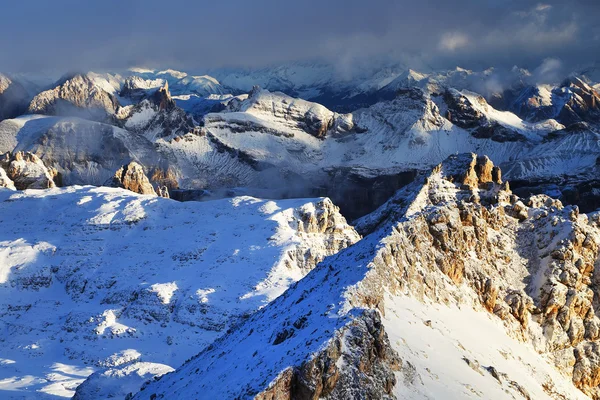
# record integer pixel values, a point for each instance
(82, 151)
(94, 278)
(407, 132)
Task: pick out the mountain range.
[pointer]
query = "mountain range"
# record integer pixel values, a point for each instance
(297, 232)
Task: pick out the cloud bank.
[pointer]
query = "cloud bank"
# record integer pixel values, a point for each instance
(38, 35)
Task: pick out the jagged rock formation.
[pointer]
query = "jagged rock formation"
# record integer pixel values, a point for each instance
(132, 177)
(156, 115)
(163, 191)
(462, 113)
(472, 112)
(456, 238)
(24, 170)
(64, 284)
(78, 96)
(572, 102)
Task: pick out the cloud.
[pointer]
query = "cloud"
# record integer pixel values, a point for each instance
(550, 71)
(452, 41)
(542, 7)
(198, 35)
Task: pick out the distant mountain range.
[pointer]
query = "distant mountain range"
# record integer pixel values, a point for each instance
(459, 264)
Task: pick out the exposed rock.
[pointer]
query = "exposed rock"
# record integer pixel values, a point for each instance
(462, 113)
(26, 171)
(162, 191)
(573, 102)
(132, 177)
(5, 181)
(78, 96)
(156, 115)
(359, 363)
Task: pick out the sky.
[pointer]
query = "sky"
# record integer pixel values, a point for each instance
(68, 35)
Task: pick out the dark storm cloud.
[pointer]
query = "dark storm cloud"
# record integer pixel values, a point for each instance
(69, 34)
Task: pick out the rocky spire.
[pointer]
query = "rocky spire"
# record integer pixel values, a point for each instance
(132, 177)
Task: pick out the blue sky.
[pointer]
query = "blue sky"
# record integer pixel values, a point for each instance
(99, 34)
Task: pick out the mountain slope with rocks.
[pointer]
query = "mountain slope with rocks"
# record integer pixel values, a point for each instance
(128, 286)
(82, 151)
(269, 144)
(463, 291)
(77, 95)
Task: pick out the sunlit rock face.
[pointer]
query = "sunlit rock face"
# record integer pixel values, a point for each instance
(77, 95)
(24, 170)
(133, 178)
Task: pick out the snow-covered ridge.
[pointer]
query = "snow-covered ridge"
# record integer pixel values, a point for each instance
(464, 257)
(94, 278)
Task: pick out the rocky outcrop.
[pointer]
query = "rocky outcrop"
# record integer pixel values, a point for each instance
(156, 115)
(462, 113)
(24, 170)
(359, 363)
(132, 177)
(572, 102)
(77, 96)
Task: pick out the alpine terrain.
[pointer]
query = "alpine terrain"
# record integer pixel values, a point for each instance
(297, 231)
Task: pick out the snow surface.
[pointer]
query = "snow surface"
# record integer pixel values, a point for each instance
(433, 336)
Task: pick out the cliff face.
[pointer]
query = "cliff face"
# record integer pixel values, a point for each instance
(457, 245)
(156, 115)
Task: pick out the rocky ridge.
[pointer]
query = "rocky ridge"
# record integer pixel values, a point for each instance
(156, 115)
(76, 95)
(459, 238)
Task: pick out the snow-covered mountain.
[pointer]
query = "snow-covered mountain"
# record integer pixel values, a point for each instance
(460, 291)
(82, 151)
(270, 142)
(574, 101)
(458, 288)
(101, 279)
